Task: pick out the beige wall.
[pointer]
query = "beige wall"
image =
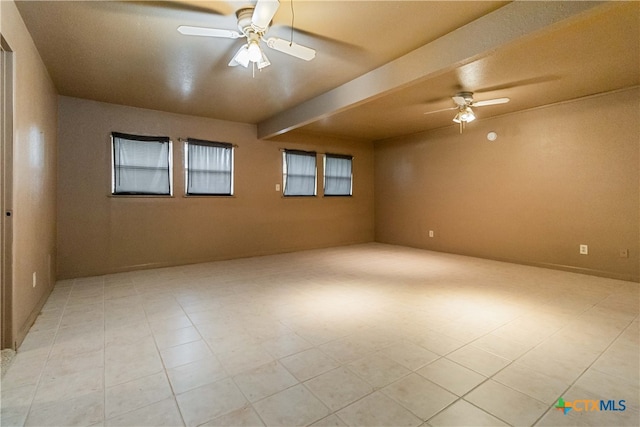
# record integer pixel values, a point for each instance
(100, 234)
(555, 178)
(34, 174)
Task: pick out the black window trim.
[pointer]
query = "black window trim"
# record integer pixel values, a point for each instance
(324, 176)
(145, 138)
(207, 143)
(340, 156)
(141, 138)
(313, 154)
(194, 141)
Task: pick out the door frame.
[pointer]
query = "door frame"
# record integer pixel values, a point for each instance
(7, 338)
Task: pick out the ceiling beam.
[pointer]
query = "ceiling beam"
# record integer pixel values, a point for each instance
(508, 24)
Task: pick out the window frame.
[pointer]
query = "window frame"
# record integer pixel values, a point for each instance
(203, 142)
(285, 172)
(143, 139)
(324, 177)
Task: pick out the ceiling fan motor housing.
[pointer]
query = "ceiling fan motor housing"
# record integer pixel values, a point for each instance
(467, 96)
(245, 24)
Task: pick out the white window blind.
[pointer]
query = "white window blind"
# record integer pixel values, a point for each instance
(141, 165)
(299, 173)
(338, 178)
(209, 168)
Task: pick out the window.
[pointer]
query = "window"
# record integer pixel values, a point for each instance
(209, 168)
(338, 179)
(141, 165)
(299, 173)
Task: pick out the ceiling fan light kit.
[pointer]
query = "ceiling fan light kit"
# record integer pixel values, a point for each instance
(255, 53)
(250, 54)
(253, 23)
(465, 114)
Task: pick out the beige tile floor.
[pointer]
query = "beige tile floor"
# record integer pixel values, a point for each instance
(362, 335)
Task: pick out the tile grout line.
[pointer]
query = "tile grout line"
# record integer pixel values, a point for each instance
(55, 336)
(491, 377)
(248, 405)
(587, 368)
(539, 344)
(164, 367)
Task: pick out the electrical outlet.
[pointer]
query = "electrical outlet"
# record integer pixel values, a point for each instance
(430, 233)
(584, 250)
(624, 253)
(34, 279)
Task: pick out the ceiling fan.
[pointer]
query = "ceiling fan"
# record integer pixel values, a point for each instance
(253, 23)
(464, 101)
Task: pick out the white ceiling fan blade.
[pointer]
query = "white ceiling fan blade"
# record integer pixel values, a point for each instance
(459, 100)
(495, 101)
(207, 32)
(293, 49)
(263, 13)
(439, 111)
